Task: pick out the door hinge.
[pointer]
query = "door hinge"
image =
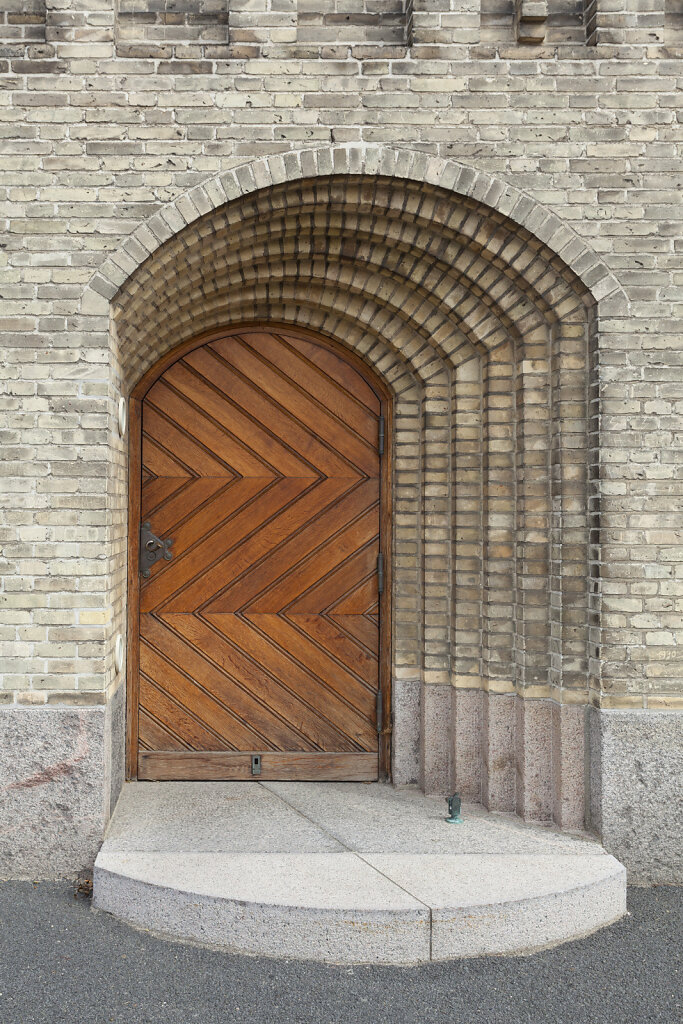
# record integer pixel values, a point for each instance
(380, 709)
(380, 573)
(380, 436)
(152, 548)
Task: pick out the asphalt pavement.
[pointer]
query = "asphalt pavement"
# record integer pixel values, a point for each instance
(60, 961)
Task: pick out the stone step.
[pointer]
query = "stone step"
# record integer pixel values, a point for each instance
(346, 873)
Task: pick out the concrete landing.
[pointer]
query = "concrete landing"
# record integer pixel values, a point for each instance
(346, 873)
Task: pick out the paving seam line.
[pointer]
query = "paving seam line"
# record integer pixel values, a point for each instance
(356, 854)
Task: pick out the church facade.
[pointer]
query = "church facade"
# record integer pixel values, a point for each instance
(342, 408)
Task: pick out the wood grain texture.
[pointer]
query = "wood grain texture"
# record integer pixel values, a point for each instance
(133, 617)
(260, 459)
(217, 767)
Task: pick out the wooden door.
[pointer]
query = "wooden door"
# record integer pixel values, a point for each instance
(259, 640)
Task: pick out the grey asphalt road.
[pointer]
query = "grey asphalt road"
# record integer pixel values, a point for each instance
(59, 961)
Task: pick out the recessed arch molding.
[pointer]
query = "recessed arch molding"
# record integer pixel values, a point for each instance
(479, 310)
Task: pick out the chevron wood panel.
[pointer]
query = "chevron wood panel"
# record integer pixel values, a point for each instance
(261, 636)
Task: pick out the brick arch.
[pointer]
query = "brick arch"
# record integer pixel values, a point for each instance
(484, 334)
(404, 163)
(450, 252)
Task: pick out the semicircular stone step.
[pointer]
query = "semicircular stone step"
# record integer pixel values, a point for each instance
(346, 873)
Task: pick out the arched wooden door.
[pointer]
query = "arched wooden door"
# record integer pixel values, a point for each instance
(261, 625)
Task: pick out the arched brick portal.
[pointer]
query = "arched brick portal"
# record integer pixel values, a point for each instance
(485, 337)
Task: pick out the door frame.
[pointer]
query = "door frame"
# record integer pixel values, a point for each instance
(135, 401)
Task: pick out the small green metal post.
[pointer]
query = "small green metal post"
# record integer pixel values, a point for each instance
(454, 804)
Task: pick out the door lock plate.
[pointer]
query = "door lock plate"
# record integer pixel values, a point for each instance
(152, 549)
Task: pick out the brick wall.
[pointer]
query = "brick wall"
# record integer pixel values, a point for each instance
(340, 22)
(673, 22)
(22, 21)
(148, 28)
(100, 149)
